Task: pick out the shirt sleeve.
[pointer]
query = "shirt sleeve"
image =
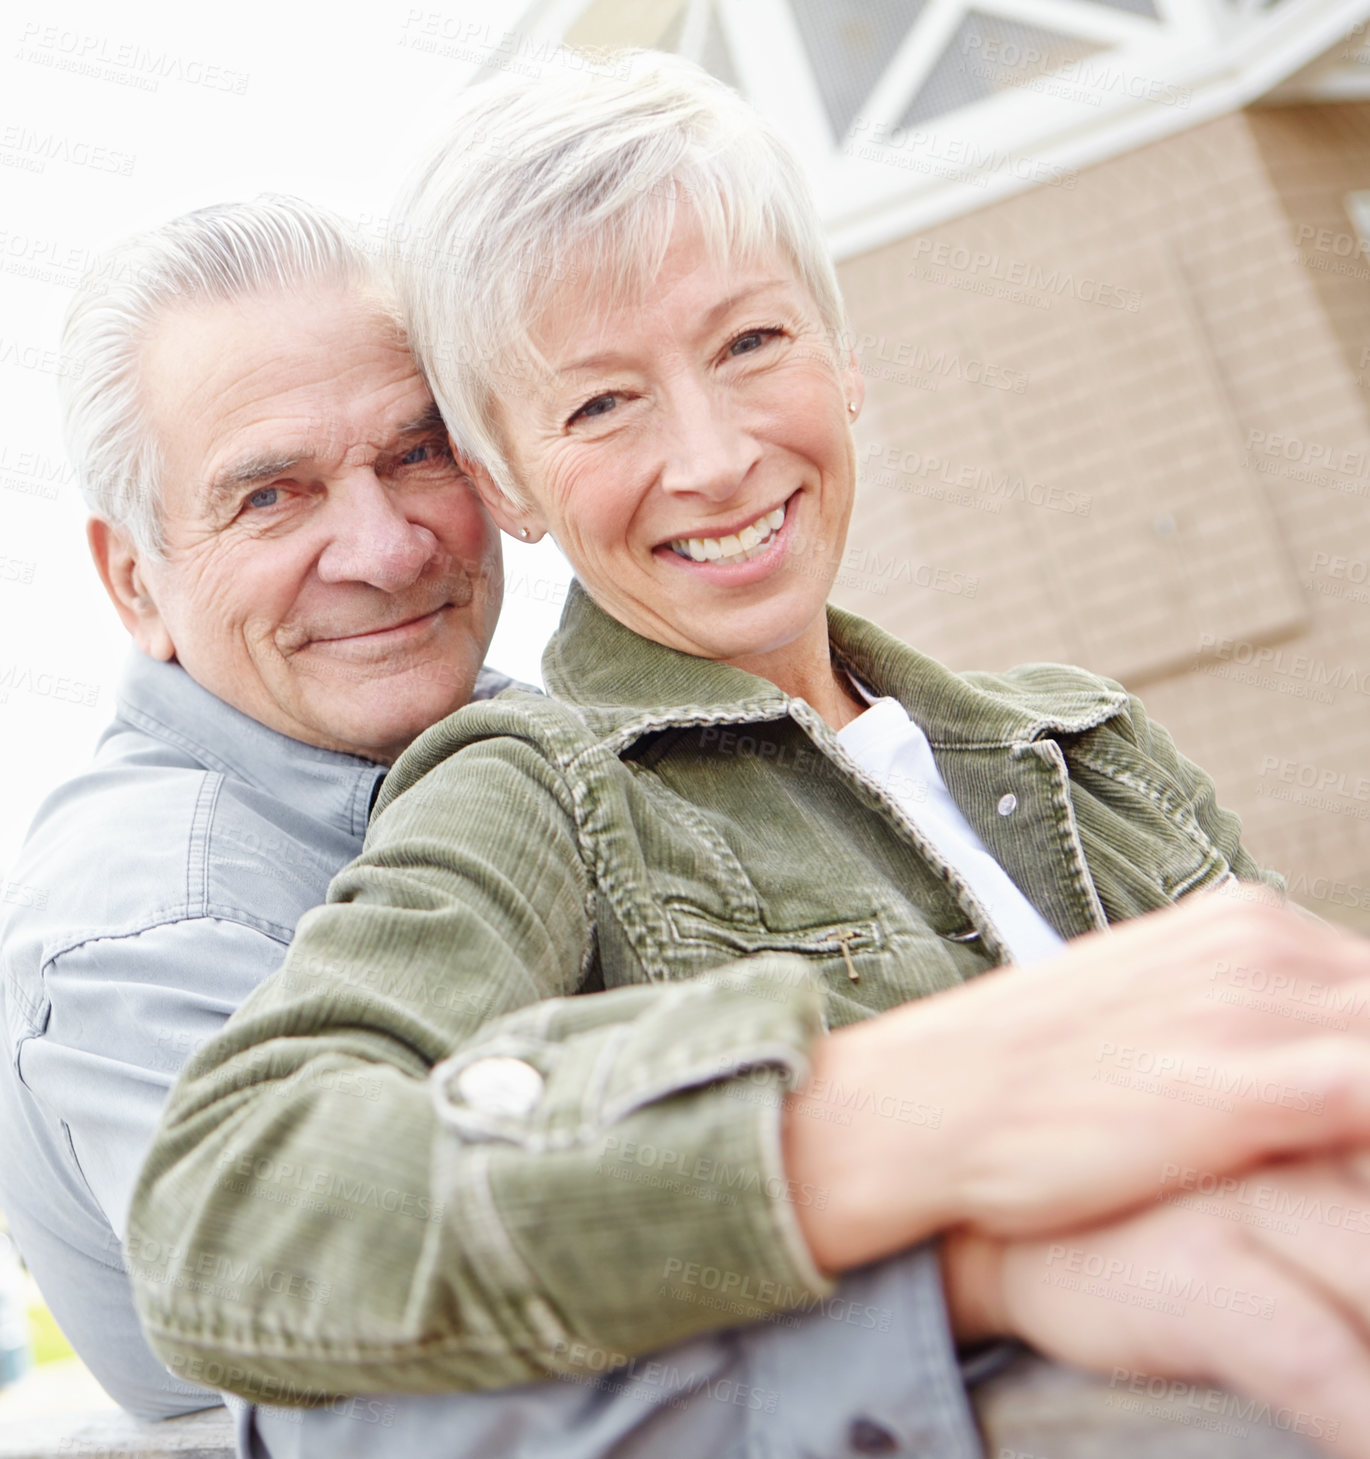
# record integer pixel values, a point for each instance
(124, 1015)
(417, 1160)
(869, 1370)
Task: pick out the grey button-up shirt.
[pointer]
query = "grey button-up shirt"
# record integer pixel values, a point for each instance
(155, 891)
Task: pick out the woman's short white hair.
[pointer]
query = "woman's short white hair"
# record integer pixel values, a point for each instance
(576, 179)
(215, 255)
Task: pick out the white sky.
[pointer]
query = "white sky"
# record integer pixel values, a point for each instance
(331, 104)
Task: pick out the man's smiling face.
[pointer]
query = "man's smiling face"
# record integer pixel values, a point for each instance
(329, 570)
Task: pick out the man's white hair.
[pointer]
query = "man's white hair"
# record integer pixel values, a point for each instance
(573, 182)
(215, 255)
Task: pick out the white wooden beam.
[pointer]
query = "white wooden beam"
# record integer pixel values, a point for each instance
(909, 67)
(774, 71)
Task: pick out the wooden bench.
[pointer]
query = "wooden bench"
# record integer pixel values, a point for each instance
(112, 1434)
(1039, 1410)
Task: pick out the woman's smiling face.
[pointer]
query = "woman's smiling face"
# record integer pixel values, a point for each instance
(692, 455)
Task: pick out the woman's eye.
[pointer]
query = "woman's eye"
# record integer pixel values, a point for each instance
(417, 456)
(600, 405)
(268, 496)
(746, 344)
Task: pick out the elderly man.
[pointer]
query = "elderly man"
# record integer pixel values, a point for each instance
(309, 582)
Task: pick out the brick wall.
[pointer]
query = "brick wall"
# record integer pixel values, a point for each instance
(1126, 423)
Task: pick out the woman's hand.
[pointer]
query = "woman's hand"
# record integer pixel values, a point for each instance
(1263, 1288)
(1214, 1035)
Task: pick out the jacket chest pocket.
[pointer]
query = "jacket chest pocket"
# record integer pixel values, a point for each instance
(710, 940)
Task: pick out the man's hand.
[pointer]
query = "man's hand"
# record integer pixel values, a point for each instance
(1218, 1035)
(1264, 1289)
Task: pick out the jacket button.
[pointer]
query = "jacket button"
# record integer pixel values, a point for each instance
(868, 1437)
(1007, 804)
(500, 1086)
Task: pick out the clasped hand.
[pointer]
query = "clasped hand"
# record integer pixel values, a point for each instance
(1104, 1118)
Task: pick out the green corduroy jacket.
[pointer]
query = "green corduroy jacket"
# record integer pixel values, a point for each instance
(419, 1158)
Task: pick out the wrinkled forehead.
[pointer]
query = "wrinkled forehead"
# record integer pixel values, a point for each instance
(268, 337)
(321, 376)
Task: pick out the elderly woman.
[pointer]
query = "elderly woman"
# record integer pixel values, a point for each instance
(674, 995)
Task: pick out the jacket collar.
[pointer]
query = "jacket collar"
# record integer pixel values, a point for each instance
(618, 679)
(163, 701)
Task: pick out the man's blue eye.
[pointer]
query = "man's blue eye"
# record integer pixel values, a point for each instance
(266, 497)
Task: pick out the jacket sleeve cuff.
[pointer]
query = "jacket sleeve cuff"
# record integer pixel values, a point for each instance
(611, 1180)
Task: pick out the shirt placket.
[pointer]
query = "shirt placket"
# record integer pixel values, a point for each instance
(966, 901)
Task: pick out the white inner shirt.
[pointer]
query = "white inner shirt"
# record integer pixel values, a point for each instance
(895, 753)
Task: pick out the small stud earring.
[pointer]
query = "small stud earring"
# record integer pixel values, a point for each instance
(523, 532)
(851, 406)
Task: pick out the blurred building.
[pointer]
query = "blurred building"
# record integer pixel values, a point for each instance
(1108, 268)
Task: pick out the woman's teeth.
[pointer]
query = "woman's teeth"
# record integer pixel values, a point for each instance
(748, 543)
